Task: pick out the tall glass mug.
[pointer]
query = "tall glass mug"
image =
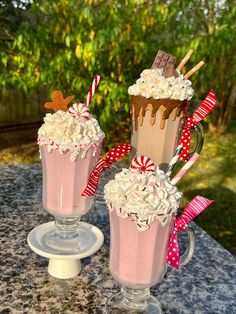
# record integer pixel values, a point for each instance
(63, 182)
(157, 126)
(138, 262)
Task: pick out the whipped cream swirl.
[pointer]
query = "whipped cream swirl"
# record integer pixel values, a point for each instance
(144, 196)
(63, 132)
(152, 84)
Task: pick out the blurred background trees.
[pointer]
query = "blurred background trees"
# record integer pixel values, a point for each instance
(62, 44)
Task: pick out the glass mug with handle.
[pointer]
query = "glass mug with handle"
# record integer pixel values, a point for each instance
(138, 261)
(157, 127)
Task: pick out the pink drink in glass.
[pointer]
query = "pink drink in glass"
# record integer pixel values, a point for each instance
(64, 181)
(138, 258)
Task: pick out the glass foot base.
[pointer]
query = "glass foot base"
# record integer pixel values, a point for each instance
(47, 241)
(56, 242)
(64, 261)
(119, 304)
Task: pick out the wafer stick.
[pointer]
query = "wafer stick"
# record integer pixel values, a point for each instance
(193, 70)
(185, 168)
(184, 60)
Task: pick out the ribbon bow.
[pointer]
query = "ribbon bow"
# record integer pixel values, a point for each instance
(192, 210)
(199, 114)
(115, 154)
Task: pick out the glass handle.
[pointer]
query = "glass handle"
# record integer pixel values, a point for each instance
(200, 139)
(187, 255)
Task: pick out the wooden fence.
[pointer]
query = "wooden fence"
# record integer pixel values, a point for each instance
(16, 107)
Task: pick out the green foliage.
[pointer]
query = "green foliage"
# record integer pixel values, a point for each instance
(64, 43)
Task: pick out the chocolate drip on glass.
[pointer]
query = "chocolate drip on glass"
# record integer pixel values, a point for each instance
(140, 104)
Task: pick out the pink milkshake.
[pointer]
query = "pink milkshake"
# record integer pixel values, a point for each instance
(70, 141)
(137, 259)
(142, 206)
(64, 181)
(70, 145)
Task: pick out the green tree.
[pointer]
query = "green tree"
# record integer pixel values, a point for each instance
(209, 27)
(11, 17)
(64, 43)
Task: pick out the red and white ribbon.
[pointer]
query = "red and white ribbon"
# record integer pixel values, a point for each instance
(115, 154)
(143, 164)
(191, 211)
(199, 114)
(92, 90)
(79, 110)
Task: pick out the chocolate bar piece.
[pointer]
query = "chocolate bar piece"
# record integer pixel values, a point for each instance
(162, 60)
(170, 71)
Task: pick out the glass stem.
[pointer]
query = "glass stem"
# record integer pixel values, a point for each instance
(67, 226)
(135, 298)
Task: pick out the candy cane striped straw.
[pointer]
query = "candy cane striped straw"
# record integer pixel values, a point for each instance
(174, 160)
(92, 90)
(185, 168)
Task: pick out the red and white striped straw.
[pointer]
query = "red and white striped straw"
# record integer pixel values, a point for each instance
(185, 168)
(92, 90)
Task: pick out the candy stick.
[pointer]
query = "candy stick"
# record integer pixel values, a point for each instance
(174, 160)
(185, 168)
(92, 90)
(193, 70)
(184, 61)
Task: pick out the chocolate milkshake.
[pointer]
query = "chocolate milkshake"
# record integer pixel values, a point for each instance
(159, 102)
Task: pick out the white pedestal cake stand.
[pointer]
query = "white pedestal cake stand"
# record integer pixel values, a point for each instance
(65, 265)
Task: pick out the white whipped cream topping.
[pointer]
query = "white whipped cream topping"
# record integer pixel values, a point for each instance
(63, 132)
(152, 84)
(145, 196)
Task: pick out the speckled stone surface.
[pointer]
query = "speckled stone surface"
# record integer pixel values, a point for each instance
(206, 285)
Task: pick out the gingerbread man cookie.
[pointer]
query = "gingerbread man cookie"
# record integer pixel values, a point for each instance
(58, 102)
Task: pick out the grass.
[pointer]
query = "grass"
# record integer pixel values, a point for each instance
(21, 153)
(19, 147)
(213, 176)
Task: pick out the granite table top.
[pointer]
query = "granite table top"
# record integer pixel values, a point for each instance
(206, 285)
